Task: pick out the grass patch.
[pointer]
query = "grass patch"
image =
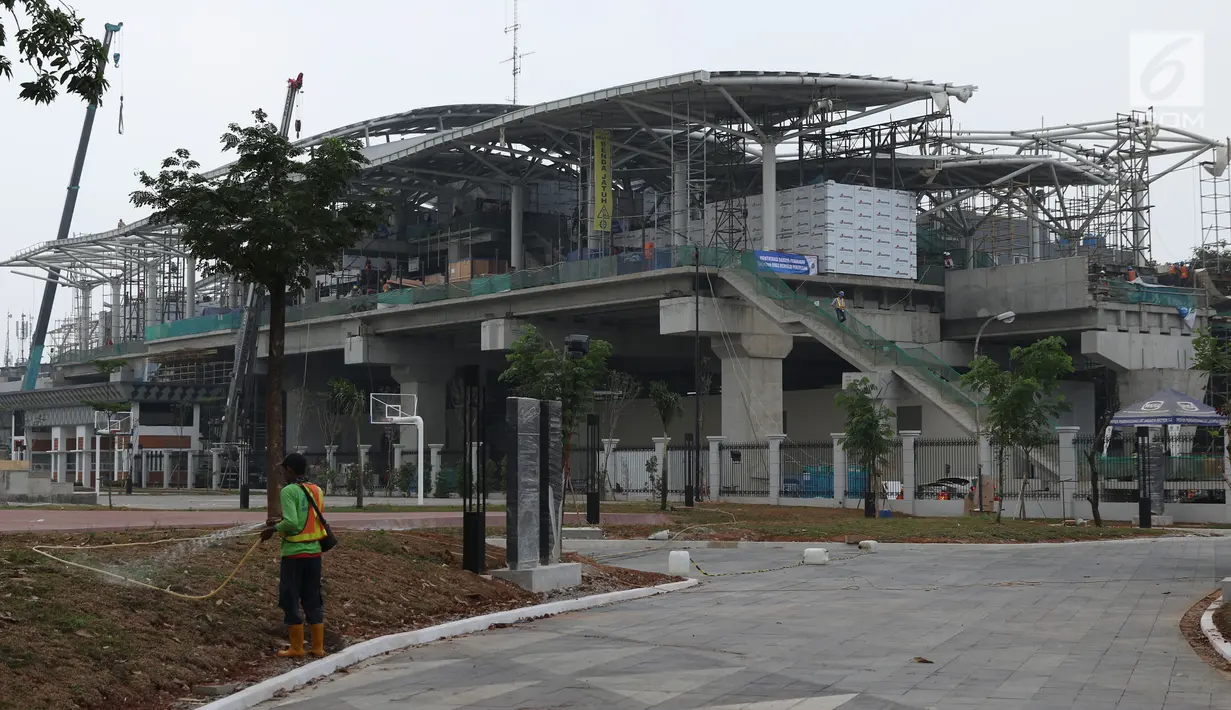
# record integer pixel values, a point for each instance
(721, 521)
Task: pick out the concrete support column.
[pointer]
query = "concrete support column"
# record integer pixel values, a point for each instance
(189, 483)
(165, 457)
(908, 466)
(1068, 467)
(679, 201)
(751, 385)
(839, 468)
(57, 446)
(434, 462)
(85, 442)
(517, 209)
(429, 386)
(775, 467)
(152, 312)
(117, 309)
(660, 455)
(83, 318)
(215, 467)
(143, 458)
(715, 443)
(769, 196)
(190, 287)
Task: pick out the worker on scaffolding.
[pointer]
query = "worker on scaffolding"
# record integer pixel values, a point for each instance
(300, 573)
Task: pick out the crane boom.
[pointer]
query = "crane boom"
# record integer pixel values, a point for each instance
(250, 323)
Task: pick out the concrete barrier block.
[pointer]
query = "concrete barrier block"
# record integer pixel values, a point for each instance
(868, 545)
(661, 535)
(816, 556)
(679, 564)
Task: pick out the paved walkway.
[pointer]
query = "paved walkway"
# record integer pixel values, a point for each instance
(1083, 626)
(35, 520)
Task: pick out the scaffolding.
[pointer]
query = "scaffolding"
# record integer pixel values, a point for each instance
(1213, 253)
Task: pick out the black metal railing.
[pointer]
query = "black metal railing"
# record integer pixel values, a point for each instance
(945, 467)
(745, 469)
(807, 469)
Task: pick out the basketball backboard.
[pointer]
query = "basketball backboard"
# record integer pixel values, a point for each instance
(112, 423)
(388, 408)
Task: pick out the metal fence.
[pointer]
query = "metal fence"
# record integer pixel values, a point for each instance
(807, 469)
(945, 467)
(1192, 469)
(890, 474)
(745, 470)
(630, 469)
(1034, 474)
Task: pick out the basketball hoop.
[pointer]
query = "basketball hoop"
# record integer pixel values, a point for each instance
(112, 423)
(387, 409)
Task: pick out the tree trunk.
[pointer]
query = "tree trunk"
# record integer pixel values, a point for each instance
(273, 400)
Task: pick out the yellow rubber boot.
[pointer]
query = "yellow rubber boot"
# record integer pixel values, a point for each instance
(317, 631)
(296, 649)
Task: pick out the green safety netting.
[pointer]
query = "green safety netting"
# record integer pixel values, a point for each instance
(860, 336)
(1126, 292)
(193, 326)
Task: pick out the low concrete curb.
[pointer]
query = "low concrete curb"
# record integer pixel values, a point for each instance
(267, 689)
(1211, 631)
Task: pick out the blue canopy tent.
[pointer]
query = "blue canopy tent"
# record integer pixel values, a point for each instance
(1165, 408)
(1168, 407)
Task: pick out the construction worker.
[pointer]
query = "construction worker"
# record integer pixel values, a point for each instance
(839, 306)
(300, 578)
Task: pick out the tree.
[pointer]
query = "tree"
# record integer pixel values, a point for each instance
(868, 437)
(539, 371)
(53, 44)
(622, 389)
(1107, 383)
(1021, 402)
(1213, 357)
(265, 220)
(667, 404)
(347, 401)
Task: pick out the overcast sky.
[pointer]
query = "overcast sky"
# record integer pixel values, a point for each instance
(191, 66)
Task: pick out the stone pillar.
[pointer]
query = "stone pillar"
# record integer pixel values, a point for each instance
(715, 466)
(517, 208)
(775, 467)
(397, 456)
(551, 481)
(1068, 467)
(331, 457)
(190, 287)
(363, 464)
(752, 385)
(429, 482)
(522, 499)
(839, 468)
(215, 467)
(989, 478)
(660, 455)
(769, 196)
(908, 466)
(189, 483)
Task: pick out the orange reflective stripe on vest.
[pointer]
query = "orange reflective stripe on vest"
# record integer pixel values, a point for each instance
(312, 528)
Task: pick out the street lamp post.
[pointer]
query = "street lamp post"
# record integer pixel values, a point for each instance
(1006, 317)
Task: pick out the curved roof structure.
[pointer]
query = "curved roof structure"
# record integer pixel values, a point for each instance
(421, 150)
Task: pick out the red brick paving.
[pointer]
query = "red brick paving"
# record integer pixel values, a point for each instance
(34, 520)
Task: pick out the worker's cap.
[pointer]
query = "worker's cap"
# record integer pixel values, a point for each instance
(296, 463)
(842, 293)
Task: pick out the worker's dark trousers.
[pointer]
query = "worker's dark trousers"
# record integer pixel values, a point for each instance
(301, 583)
(841, 315)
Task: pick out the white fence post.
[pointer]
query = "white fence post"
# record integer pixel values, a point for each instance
(775, 467)
(1068, 467)
(908, 466)
(839, 469)
(660, 457)
(715, 466)
(434, 461)
(189, 483)
(215, 467)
